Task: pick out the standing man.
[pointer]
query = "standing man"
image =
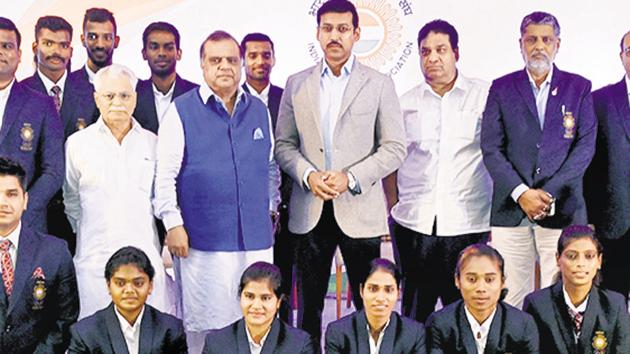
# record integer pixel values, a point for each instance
(38, 291)
(444, 189)
(340, 131)
(160, 48)
(216, 186)
(30, 130)
(260, 58)
(108, 191)
(537, 137)
(607, 181)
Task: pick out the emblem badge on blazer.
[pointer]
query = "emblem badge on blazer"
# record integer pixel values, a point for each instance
(39, 290)
(599, 343)
(569, 125)
(27, 134)
(81, 123)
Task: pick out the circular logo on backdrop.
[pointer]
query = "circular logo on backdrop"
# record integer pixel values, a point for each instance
(384, 44)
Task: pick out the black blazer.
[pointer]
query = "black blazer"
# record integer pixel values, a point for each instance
(606, 311)
(39, 325)
(282, 339)
(349, 335)
(78, 109)
(511, 331)
(145, 112)
(607, 181)
(275, 94)
(160, 333)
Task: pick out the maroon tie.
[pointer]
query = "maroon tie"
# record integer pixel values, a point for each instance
(577, 318)
(56, 90)
(7, 266)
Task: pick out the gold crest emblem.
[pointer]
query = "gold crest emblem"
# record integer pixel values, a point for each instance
(27, 134)
(81, 124)
(599, 342)
(569, 125)
(39, 294)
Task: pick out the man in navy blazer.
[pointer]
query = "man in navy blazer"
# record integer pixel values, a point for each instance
(537, 137)
(607, 181)
(160, 48)
(30, 130)
(38, 289)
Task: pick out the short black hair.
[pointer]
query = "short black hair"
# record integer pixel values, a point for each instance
(255, 37)
(339, 6)
(440, 26)
(8, 25)
(100, 15)
(385, 265)
(540, 18)
(9, 167)
(162, 27)
(622, 38)
(218, 36)
(261, 271)
(129, 255)
(53, 23)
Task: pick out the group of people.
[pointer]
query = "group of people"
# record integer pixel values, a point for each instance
(220, 180)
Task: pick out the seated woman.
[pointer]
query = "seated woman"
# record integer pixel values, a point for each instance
(376, 328)
(574, 315)
(259, 331)
(128, 324)
(481, 322)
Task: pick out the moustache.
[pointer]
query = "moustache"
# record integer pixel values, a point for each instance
(333, 43)
(54, 56)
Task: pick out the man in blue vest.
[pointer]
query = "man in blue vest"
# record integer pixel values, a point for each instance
(216, 185)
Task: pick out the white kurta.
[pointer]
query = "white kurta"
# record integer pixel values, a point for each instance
(108, 194)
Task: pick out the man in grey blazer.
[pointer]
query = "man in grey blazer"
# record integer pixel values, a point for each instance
(339, 132)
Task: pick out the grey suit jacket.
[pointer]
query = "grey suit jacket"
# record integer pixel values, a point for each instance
(369, 141)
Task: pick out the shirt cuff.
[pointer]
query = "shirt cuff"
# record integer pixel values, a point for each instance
(172, 220)
(305, 177)
(518, 191)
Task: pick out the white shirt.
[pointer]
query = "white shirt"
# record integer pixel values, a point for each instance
(14, 237)
(480, 331)
(108, 189)
(263, 95)
(162, 101)
(91, 74)
(628, 87)
(4, 97)
(48, 84)
(443, 175)
(131, 333)
(255, 348)
(170, 152)
(375, 346)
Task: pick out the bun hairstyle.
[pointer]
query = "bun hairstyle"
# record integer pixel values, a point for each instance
(481, 250)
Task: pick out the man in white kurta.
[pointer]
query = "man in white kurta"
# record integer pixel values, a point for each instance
(108, 191)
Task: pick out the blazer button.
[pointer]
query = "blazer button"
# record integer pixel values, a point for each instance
(538, 171)
(8, 328)
(538, 146)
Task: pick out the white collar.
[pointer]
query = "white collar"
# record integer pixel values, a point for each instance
(461, 83)
(14, 236)
(91, 74)
(251, 340)
(627, 84)
(102, 127)
(381, 333)
(158, 93)
(567, 300)
(4, 93)
(124, 324)
(48, 84)
(483, 328)
(544, 83)
(345, 70)
(206, 92)
(263, 93)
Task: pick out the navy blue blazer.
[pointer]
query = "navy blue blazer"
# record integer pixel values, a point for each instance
(78, 109)
(160, 333)
(349, 335)
(39, 325)
(511, 331)
(145, 112)
(32, 135)
(515, 149)
(282, 339)
(607, 181)
(606, 311)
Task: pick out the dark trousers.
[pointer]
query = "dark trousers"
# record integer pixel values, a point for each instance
(616, 265)
(283, 257)
(428, 265)
(57, 222)
(315, 251)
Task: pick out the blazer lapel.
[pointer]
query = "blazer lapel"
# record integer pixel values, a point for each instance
(355, 83)
(524, 87)
(391, 332)
(23, 268)
(311, 84)
(271, 343)
(3, 306)
(114, 331)
(12, 109)
(242, 344)
(178, 90)
(147, 331)
(148, 97)
(466, 336)
(563, 320)
(590, 319)
(620, 100)
(361, 329)
(493, 343)
(553, 113)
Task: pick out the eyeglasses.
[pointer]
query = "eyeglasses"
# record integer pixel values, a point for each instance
(343, 29)
(110, 96)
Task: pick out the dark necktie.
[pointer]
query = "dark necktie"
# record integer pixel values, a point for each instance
(7, 266)
(56, 90)
(577, 318)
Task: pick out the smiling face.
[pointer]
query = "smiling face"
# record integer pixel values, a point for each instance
(100, 41)
(579, 263)
(129, 288)
(161, 53)
(259, 304)
(259, 60)
(539, 46)
(480, 283)
(13, 201)
(9, 55)
(379, 294)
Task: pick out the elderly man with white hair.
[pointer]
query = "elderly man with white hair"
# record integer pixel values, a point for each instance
(108, 190)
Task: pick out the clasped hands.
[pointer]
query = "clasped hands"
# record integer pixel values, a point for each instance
(327, 185)
(536, 203)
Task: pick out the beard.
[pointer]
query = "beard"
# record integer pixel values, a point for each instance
(538, 66)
